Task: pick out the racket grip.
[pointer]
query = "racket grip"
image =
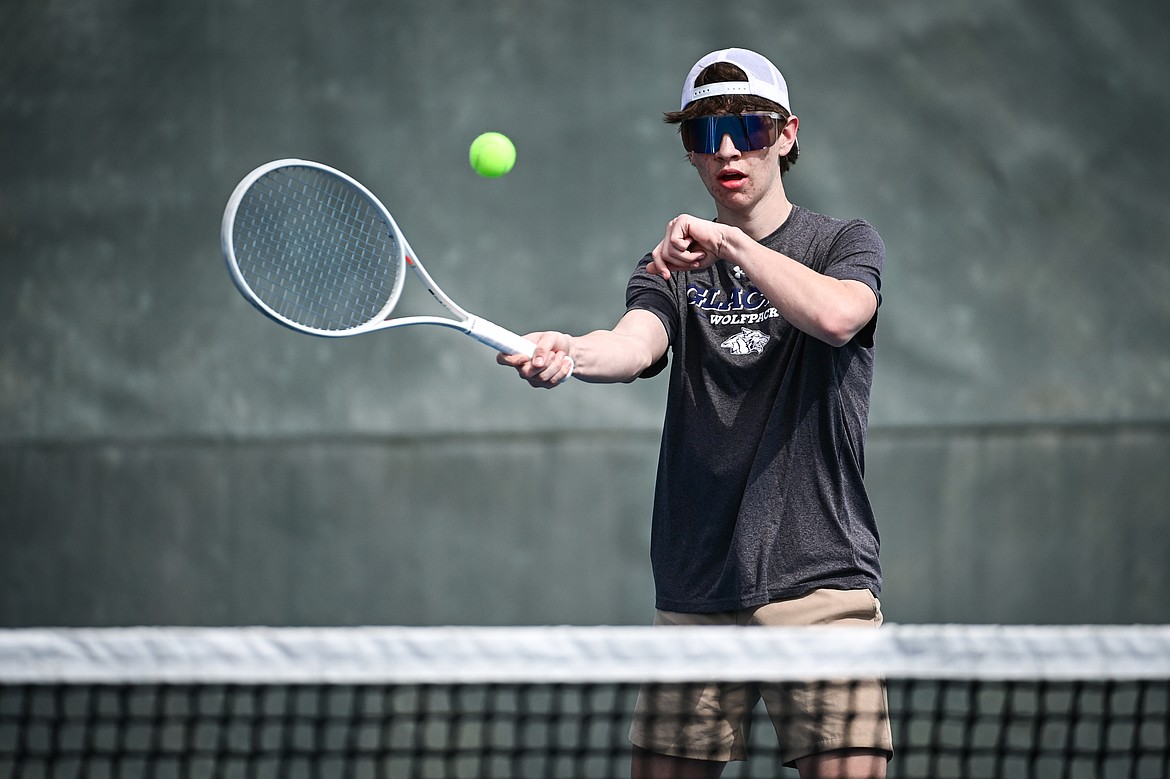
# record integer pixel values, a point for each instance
(500, 338)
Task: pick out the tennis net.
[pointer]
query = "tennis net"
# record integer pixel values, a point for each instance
(964, 701)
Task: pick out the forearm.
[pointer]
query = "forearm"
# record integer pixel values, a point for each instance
(603, 356)
(829, 309)
(608, 356)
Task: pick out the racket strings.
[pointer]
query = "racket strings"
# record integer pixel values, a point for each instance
(315, 250)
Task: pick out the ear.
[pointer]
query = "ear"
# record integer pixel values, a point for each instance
(788, 135)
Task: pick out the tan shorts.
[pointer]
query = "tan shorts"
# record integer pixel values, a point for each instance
(710, 722)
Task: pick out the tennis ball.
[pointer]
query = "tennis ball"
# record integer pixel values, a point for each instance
(492, 155)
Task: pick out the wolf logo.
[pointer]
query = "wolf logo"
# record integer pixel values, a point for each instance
(746, 342)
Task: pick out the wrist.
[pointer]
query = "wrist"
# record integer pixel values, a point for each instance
(572, 358)
(731, 243)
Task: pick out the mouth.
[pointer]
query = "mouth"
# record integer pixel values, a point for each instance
(731, 178)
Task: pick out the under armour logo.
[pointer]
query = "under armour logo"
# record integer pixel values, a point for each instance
(746, 342)
(738, 273)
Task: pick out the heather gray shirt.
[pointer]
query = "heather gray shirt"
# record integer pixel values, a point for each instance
(759, 495)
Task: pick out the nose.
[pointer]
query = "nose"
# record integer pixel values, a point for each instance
(727, 149)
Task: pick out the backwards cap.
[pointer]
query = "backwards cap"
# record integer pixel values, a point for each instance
(764, 80)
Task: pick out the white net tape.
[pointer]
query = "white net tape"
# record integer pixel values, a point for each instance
(579, 654)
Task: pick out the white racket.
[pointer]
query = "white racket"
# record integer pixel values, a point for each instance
(315, 250)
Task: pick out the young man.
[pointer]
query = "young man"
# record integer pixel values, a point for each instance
(760, 514)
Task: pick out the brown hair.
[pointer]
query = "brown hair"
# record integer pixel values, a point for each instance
(730, 104)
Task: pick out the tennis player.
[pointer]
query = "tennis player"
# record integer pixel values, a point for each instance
(760, 513)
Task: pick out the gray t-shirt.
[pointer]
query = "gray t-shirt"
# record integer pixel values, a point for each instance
(759, 494)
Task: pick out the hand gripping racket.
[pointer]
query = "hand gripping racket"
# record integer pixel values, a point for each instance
(315, 250)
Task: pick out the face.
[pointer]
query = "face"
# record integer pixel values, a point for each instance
(739, 180)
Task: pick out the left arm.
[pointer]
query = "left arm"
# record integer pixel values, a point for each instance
(831, 310)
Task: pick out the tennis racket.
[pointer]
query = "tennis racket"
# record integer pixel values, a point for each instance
(315, 250)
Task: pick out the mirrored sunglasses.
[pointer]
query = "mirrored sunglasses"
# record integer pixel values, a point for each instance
(749, 132)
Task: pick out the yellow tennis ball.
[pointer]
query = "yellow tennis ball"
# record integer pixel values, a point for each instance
(492, 155)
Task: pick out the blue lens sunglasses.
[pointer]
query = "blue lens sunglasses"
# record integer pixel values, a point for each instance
(749, 132)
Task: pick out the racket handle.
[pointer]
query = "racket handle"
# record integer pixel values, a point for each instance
(500, 338)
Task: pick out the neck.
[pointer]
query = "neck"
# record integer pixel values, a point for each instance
(764, 216)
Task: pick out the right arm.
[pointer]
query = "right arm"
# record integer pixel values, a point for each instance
(635, 343)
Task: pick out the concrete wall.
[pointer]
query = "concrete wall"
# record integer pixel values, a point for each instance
(168, 456)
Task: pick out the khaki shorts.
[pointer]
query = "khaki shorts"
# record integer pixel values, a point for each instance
(711, 721)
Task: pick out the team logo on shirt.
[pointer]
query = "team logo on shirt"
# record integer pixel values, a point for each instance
(739, 306)
(746, 341)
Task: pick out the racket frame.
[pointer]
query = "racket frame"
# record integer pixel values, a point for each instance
(477, 327)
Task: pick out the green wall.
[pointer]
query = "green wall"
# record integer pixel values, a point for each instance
(167, 456)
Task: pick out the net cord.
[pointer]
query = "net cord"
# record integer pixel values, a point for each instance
(577, 654)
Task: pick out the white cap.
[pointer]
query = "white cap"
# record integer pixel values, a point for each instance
(764, 80)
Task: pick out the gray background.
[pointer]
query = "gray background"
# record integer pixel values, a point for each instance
(168, 456)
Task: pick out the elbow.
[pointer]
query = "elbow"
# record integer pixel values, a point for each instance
(838, 329)
(841, 320)
(835, 340)
(644, 364)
